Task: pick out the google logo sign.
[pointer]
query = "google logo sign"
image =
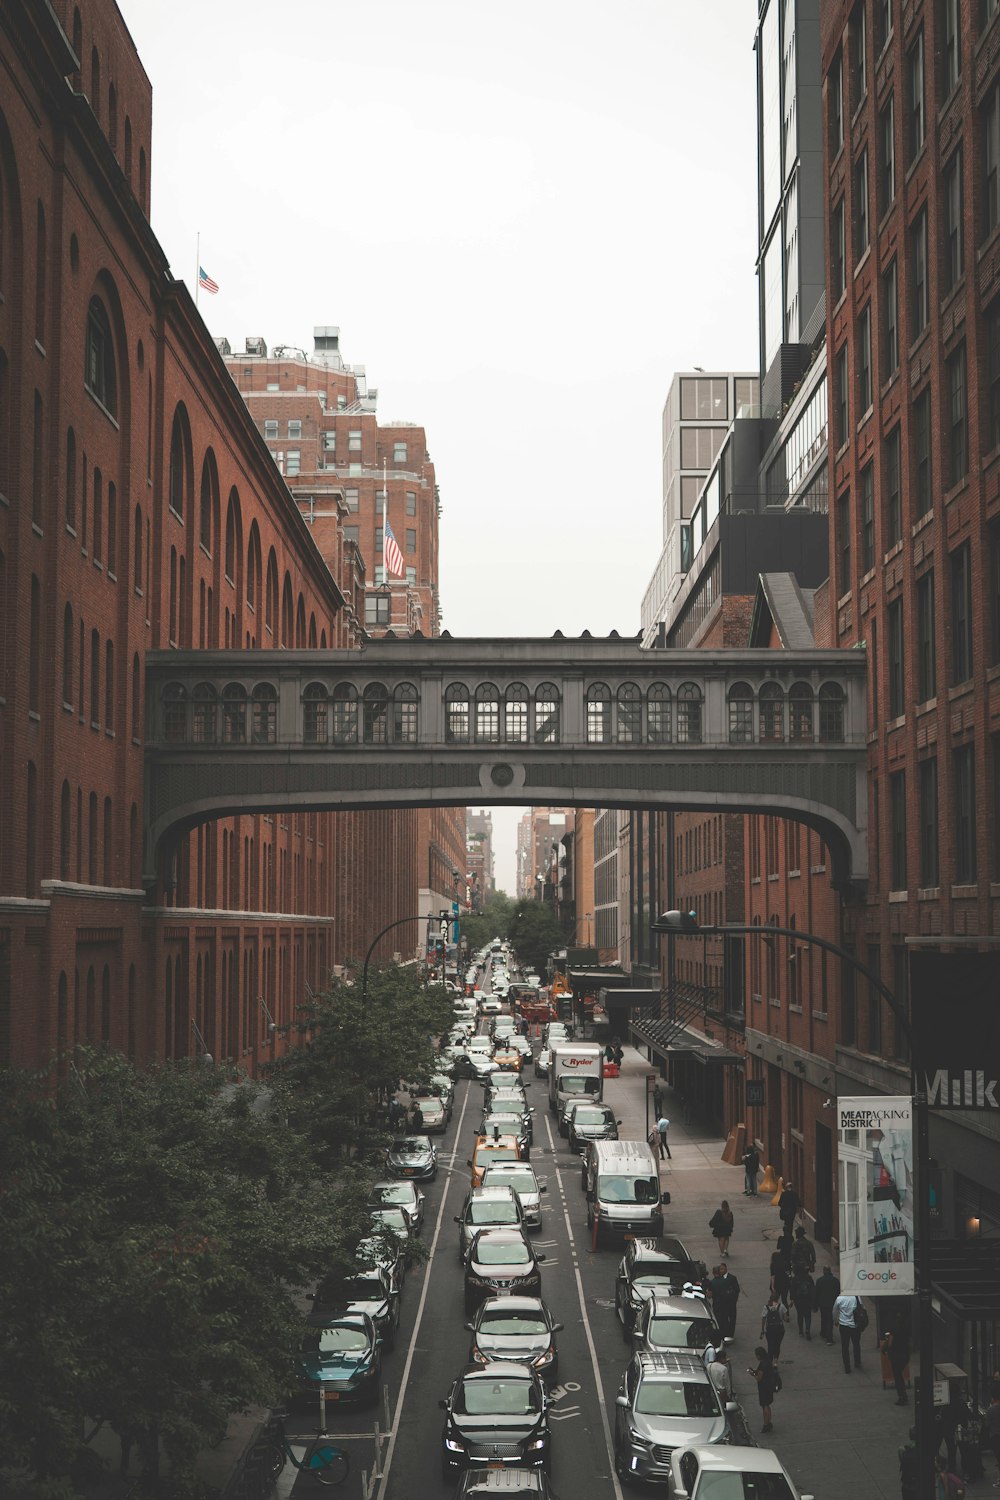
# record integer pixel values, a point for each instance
(883, 1276)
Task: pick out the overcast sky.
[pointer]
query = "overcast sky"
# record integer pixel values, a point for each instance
(522, 216)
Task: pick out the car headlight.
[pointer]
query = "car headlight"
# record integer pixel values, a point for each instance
(545, 1358)
(454, 1444)
(537, 1443)
(475, 1281)
(637, 1438)
(479, 1357)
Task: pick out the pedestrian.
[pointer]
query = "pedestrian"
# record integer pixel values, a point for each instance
(896, 1348)
(653, 1141)
(619, 1056)
(751, 1166)
(990, 1433)
(779, 1276)
(657, 1100)
(827, 1292)
(947, 1485)
(803, 1252)
(721, 1375)
(768, 1382)
(609, 1052)
(721, 1225)
(773, 1318)
(950, 1417)
(803, 1300)
(725, 1295)
(417, 1117)
(846, 1311)
(789, 1208)
(909, 1467)
(663, 1126)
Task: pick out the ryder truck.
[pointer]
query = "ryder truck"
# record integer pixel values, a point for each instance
(576, 1071)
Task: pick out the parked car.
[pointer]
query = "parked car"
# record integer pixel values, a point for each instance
(586, 1122)
(492, 1148)
(501, 1260)
(495, 1415)
(368, 1290)
(385, 1252)
(443, 1086)
(661, 1264)
(521, 1177)
(404, 1195)
(392, 1225)
(412, 1156)
(515, 1328)
(542, 1059)
(432, 1108)
(669, 1320)
(720, 1470)
(665, 1401)
(343, 1358)
(487, 1208)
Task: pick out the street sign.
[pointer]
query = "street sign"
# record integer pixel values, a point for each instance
(650, 1082)
(755, 1091)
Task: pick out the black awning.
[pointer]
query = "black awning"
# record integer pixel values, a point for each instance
(628, 998)
(664, 1035)
(593, 980)
(965, 1274)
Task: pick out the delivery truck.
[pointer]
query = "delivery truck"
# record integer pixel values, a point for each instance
(576, 1071)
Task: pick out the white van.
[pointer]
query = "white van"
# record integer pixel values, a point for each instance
(622, 1183)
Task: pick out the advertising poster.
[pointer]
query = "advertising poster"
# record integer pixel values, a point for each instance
(955, 1014)
(875, 1179)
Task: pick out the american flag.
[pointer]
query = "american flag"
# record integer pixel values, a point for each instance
(205, 281)
(391, 554)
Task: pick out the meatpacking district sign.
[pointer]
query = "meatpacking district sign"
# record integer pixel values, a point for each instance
(955, 1015)
(875, 1167)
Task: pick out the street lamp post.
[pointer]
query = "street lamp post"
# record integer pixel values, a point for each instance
(400, 922)
(673, 923)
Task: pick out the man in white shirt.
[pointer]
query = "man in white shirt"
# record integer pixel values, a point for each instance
(720, 1374)
(844, 1312)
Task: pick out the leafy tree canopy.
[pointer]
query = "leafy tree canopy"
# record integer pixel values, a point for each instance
(534, 931)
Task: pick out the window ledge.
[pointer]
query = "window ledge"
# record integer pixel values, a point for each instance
(101, 407)
(755, 997)
(897, 723)
(869, 413)
(176, 515)
(98, 565)
(772, 877)
(37, 529)
(952, 294)
(866, 578)
(817, 869)
(755, 880)
(34, 715)
(205, 550)
(774, 1003)
(923, 521)
(921, 338)
(960, 690)
(950, 99)
(67, 707)
(795, 874)
(820, 1015)
(898, 898)
(113, 577)
(71, 530)
(915, 163)
(929, 893)
(893, 551)
(964, 892)
(885, 389)
(928, 706)
(796, 1010)
(863, 260)
(844, 600)
(957, 490)
(40, 347)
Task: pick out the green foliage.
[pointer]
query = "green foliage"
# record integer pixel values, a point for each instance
(534, 931)
(493, 921)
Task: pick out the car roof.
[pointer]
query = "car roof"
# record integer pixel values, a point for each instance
(501, 1168)
(501, 1235)
(728, 1458)
(508, 1368)
(673, 1366)
(678, 1304)
(501, 1193)
(514, 1304)
(665, 1248)
(488, 1142)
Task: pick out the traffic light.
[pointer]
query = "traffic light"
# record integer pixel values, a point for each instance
(678, 921)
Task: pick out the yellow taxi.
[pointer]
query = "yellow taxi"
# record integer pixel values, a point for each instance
(508, 1059)
(490, 1149)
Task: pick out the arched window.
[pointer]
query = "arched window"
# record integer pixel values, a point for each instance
(456, 714)
(800, 713)
(95, 81)
(404, 710)
(315, 714)
(108, 842)
(134, 849)
(92, 839)
(136, 699)
(175, 713)
(128, 149)
(740, 697)
(112, 117)
(70, 477)
(376, 714)
(65, 832)
(179, 479)
(253, 566)
(234, 531)
(515, 718)
(487, 714)
(271, 593)
(547, 714)
(100, 376)
(208, 503)
(112, 530)
(67, 664)
(831, 713)
(300, 623)
(629, 714)
(234, 714)
(689, 703)
(598, 714)
(109, 686)
(205, 714)
(137, 551)
(41, 272)
(345, 714)
(142, 176)
(265, 714)
(287, 614)
(312, 631)
(771, 706)
(34, 644)
(659, 729)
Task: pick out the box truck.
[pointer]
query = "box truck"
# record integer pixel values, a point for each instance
(576, 1071)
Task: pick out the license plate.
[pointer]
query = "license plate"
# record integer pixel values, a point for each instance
(495, 1463)
(333, 1395)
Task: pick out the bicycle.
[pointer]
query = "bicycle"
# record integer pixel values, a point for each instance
(328, 1464)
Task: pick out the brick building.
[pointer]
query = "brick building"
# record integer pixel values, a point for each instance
(140, 509)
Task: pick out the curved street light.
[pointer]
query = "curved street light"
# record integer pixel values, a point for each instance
(445, 916)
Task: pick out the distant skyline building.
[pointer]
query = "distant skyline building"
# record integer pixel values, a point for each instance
(479, 858)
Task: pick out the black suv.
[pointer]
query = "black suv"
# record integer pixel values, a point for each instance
(588, 1121)
(499, 1261)
(495, 1416)
(652, 1265)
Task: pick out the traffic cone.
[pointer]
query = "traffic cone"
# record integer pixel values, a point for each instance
(767, 1183)
(778, 1192)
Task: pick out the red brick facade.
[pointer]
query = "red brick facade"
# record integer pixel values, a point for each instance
(139, 509)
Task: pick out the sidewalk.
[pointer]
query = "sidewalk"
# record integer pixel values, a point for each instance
(836, 1435)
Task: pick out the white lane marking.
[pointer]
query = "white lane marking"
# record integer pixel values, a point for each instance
(420, 1310)
(598, 1386)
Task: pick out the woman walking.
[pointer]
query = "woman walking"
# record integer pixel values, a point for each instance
(721, 1225)
(768, 1381)
(773, 1318)
(779, 1277)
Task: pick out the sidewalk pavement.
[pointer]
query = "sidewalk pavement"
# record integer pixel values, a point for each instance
(836, 1435)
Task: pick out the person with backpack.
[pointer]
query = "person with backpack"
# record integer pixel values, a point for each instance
(789, 1208)
(773, 1318)
(768, 1382)
(803, 1252)
(947, 1486)
(804, 1300)
(851, 1317)
(721, 1225)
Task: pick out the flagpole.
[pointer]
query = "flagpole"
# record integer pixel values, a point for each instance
(385, 518)
(197, 269)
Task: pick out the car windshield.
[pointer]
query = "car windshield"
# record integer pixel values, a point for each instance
(341, 1339)
(427, 1101)
(492, 1213)
(390, 1192)
(656, 1276)
(507, 1124)
(745, 1486)
(682, 1333)
(588, 1114)
(504, 1322)
(507, 1398)
(365, 1289)
(620, 1189)
(676, 1398)
(390, 1218)
(507, 1253)
(497, 1153)
(411, 1143)
(521, 1182)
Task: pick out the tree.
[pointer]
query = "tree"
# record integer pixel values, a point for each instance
(534, 932)
(493, 921)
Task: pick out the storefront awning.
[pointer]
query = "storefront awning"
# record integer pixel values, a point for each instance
(663, 1036)
(628, 998)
